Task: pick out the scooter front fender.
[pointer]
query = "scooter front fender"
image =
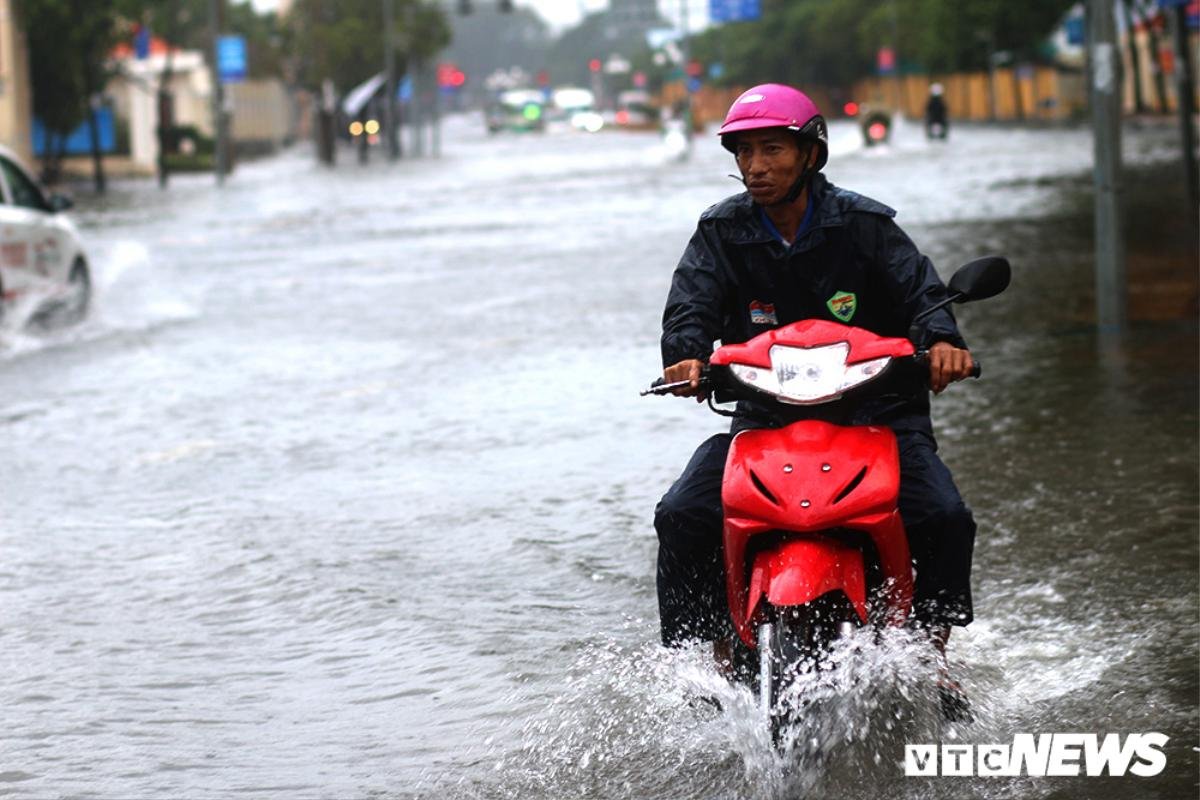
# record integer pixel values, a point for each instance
(803, 568)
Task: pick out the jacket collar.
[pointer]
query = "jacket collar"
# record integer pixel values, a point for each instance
(832, 205)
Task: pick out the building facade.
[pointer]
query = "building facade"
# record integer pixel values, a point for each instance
(16, 95)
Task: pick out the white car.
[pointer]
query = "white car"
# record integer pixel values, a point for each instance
(42, 263)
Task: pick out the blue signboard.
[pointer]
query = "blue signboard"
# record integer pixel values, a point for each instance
(1076, 31)
(141, 42)
(1192, 7)
(231, 59)
(79, 141)
(734, 10)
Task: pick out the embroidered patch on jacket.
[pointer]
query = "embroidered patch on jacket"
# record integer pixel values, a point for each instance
(843, 305)
(763, 314)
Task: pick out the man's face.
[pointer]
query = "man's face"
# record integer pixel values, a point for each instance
(770, 161)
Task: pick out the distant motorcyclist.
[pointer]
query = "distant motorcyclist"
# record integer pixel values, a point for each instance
(792, 247)
(937, 123)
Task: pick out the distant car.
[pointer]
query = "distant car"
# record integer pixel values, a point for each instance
(636, 111)
(577, 107)
(41, 258)
(517, 110)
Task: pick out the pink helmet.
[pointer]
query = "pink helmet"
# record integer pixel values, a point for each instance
(773, 105)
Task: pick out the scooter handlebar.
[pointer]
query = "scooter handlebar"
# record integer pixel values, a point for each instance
(708, 380)
(921, 358)
(661, 387)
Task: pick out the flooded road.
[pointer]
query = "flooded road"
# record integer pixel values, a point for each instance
(345, 489)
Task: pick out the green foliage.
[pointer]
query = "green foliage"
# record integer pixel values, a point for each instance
(597, 36)
(489, 40)
(834, 42)
(187, 24)
(69, 41)
(344, 39)
(961, 35)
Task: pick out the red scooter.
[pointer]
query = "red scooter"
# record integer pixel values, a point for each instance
(813, 542)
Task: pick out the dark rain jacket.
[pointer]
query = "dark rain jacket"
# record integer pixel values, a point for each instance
(852, 264)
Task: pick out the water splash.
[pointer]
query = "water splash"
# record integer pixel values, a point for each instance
(129, 293)
(648, 722)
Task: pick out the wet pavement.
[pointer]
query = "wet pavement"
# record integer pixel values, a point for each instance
(344, 489)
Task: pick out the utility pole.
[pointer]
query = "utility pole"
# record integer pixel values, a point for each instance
(1135, 61)
(901, 84)
(1186, 94)
(1105, 85)
(412, 72)
(389, 61)
(216, 19)
(416, 114)
(686, 56)
(436, 127)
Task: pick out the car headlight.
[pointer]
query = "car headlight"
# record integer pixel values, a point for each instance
(809, 375)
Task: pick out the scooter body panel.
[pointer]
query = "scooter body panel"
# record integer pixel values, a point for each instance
(802, 569)
(800, 484)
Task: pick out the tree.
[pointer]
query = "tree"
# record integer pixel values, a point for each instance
(599, 35)
(832, 43)
(489, 40)
(343, 39)
(186, 24)
(69, 42)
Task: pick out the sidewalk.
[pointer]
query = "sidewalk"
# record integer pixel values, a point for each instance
(78, 169)
(1163, 239)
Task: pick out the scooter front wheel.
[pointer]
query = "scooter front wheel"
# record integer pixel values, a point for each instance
(791, 642)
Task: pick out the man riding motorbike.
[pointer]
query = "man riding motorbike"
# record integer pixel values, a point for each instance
(793, 246)
(937, 122)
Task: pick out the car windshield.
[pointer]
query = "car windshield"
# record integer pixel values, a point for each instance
(24, 192)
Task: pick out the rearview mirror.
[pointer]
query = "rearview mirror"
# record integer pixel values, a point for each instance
(59, 202)
(980, 279)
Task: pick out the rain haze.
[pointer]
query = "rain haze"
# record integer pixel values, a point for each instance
(327, 472)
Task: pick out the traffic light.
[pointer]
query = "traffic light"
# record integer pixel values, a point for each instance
(464, 6)
(505, 6)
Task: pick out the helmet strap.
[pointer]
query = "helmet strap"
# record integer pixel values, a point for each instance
(801, 182)
(799, 186)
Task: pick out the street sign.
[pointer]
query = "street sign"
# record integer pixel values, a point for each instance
(1192, 6)
(1076, 32)
(734, 10)
(886, 61)
(231, 59)
(141, 42)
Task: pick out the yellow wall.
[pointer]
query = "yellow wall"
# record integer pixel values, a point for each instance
(1045, 94)
(16, 97)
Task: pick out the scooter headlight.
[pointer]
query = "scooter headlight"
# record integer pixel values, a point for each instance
(809, 375)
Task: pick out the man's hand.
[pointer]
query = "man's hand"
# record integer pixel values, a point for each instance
(686, 370)
(947, 364)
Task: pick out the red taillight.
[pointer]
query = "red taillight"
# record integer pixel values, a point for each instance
(850, 109)
(622, 117)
